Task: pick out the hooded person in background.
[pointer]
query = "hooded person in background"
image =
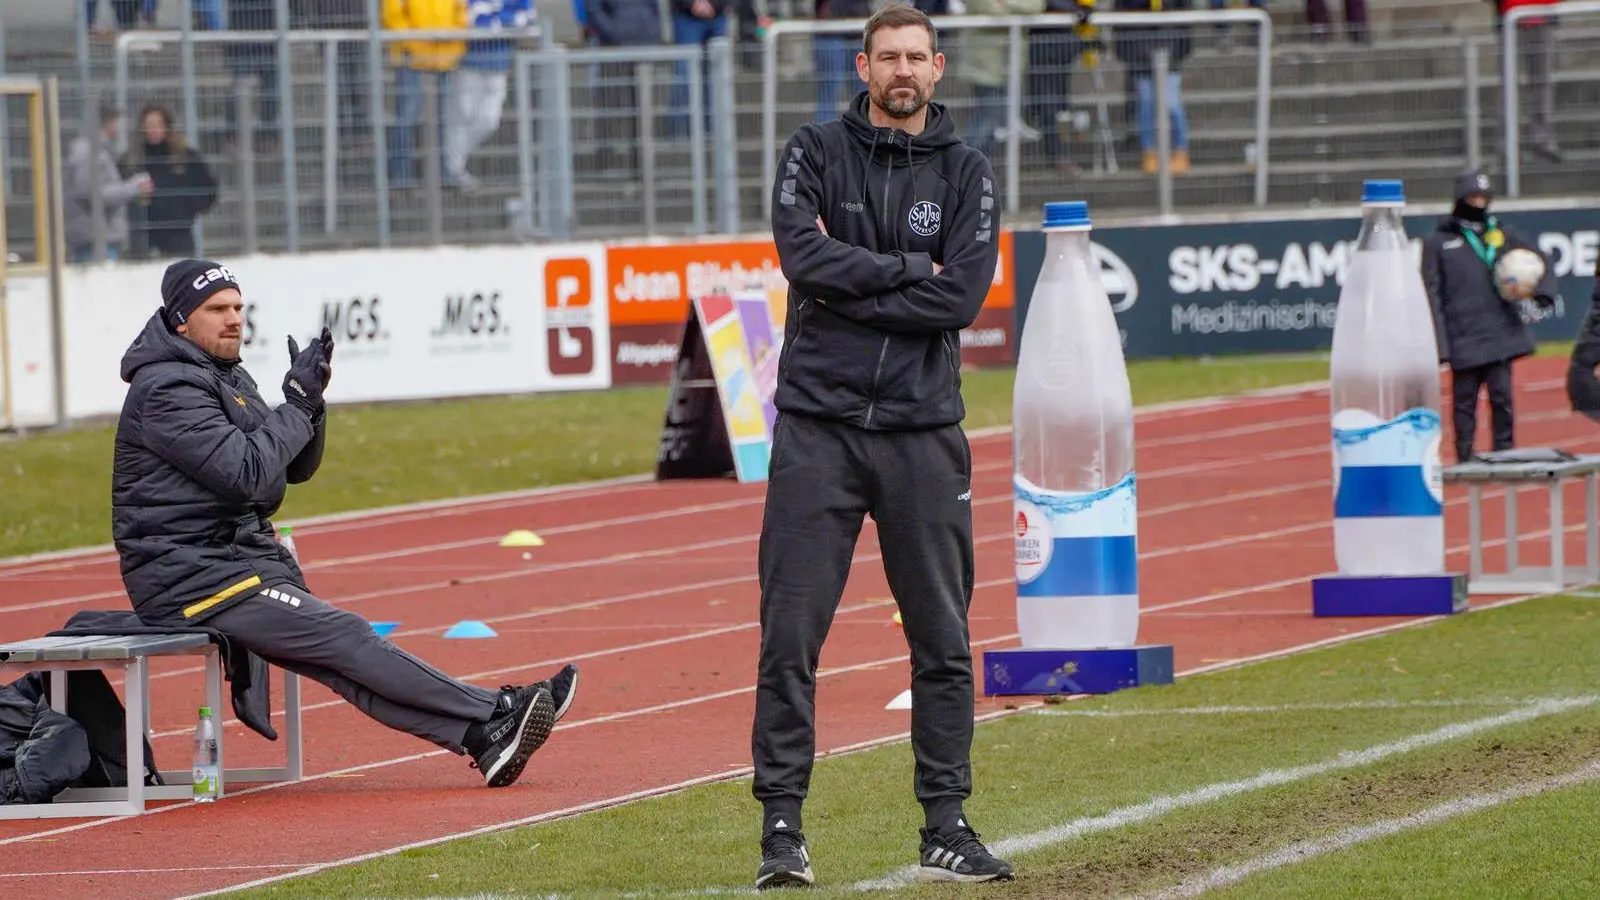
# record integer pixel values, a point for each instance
(201, 465)
(1480, 333)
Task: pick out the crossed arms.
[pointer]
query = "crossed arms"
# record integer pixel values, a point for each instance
(896, 291)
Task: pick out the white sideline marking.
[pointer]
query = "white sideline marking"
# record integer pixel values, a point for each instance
(1283, 708)
(1309, 849)
(1159, 806)
(566, 813)
(1020, 708)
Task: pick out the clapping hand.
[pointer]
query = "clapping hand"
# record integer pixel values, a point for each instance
(310, 370)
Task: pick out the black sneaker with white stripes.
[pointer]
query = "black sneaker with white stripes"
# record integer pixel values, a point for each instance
(958, 855)
(562, 687)
(500, 747)
(785, 860)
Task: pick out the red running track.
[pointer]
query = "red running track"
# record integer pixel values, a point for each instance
(651, 587)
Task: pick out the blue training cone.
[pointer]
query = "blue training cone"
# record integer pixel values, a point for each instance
(470, 628)
(383, 628)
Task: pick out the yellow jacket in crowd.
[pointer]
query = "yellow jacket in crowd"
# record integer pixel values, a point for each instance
(413, 15)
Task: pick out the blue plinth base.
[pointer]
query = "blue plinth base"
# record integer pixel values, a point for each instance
(1039, 671)
(1397, 595)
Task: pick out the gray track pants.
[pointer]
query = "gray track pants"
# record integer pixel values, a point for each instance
(295, 631)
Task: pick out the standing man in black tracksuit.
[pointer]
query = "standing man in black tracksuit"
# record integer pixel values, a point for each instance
(886, 227)
(1479, 333)
(202, 464)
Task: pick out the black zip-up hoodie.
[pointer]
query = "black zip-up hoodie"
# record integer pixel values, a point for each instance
(873, 336)
(201, 464)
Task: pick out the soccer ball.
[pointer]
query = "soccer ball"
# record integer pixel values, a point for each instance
(1517, 273)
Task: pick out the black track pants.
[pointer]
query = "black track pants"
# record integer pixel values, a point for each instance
(1465, 386)
(823, 479)
(293, 630)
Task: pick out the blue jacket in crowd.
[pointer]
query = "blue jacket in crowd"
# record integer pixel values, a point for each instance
(495, 55)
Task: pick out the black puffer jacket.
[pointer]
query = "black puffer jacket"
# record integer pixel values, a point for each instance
(1474, 325)
(41, 751)
(200, 467)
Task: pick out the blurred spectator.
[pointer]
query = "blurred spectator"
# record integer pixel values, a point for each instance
(1052, 53)
(985, 61)
(1224, 30)
(1355, 20)
(1136, 46)
(1535, 49)
(350, 61)
(91, 168)
(479, 97)
(183, 187)
(620, 23)
(834, 56)
(415, 59)
(128, 13)
(258, 61)
(694, 22)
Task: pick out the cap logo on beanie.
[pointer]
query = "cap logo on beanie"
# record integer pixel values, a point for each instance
(220, 273)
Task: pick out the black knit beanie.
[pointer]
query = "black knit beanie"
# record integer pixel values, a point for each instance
(188, 283)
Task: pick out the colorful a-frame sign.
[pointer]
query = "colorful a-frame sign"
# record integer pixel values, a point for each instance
(719, 415)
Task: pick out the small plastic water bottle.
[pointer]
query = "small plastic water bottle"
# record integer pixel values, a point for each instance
(205, 758)
(1388, 491)
(286, 538)
(1075, 510)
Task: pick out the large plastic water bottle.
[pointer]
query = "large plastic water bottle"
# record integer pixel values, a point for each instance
(1072, 437)
(204, 775)
(1384, 376)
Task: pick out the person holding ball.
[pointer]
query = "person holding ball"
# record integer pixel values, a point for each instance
(1480, 330)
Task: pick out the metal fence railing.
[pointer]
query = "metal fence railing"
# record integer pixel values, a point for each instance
(268, 84)
(622, 141)
(562, 144)
(1033, 45)
(1530, 38)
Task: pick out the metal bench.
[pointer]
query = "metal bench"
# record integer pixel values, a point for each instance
(131, 655)
(1514, 470)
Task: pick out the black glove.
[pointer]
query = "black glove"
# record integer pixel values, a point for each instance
(309, 372)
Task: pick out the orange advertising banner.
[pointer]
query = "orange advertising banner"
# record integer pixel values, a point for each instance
(651, 284)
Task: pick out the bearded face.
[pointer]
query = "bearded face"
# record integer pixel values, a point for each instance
(901, 70)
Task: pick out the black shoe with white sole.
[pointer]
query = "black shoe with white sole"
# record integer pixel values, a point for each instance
(785, 861)
(563, 686)
(501, 746)
(958, 855)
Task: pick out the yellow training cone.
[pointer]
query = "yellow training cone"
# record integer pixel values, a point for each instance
(522, 538)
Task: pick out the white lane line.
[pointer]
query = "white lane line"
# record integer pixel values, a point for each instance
(1159, 806)
(1277, 708)
(382, 516)
(1301, 851)
(343, 564)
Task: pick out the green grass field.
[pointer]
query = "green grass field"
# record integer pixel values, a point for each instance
(1147, 788)
(55, 488)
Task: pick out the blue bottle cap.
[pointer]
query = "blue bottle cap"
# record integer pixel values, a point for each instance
(1066, 214)
(1377, 191)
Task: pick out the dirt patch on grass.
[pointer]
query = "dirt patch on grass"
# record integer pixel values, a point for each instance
(1195, 841)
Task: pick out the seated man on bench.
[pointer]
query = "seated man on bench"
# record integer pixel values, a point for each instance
(201, 465)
